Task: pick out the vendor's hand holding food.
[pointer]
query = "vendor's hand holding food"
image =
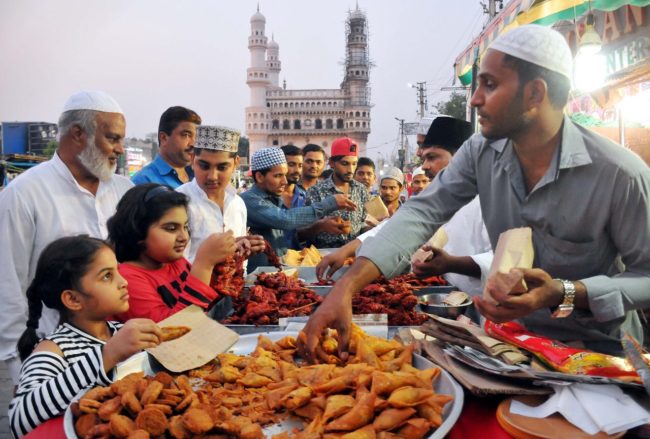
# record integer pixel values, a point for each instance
(332, 225)
(134, 336)
(344, 202)
(243, 246)
(256, 243)
(502, 301)
(439, 263)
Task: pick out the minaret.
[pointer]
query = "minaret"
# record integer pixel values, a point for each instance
(273, 63)
(355, 84)
(257, 114)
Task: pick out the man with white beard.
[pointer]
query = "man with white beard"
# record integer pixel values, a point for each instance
(73, 193)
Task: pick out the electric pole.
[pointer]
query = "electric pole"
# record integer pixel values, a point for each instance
(402, 149)
(423, 106)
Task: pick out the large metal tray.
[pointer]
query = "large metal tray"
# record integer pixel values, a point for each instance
(444, 384)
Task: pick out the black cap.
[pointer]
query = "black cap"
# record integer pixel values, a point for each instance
(448, 133)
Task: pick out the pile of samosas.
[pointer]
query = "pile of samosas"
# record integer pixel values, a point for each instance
(376, 394)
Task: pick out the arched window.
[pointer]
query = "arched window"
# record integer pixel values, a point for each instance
(357, 114)
(249, 126)
(363, 114)
(254, 115)
(318, 124)
(363, 124)
(286, 105)
(329, 124)
(296, 124)
(286, 125)
(357, 124)
(291, 105)
(339, 124)
(254, 126)
(276, 124)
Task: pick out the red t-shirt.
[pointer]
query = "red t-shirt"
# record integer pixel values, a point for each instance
(157, 294)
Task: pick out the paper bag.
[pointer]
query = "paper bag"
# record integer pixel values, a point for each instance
(438, 240)
(514, 250)
(376, 208)
(202, 344)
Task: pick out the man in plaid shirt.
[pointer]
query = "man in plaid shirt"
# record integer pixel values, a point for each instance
(343, 162)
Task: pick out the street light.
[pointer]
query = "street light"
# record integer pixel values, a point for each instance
(590, 67)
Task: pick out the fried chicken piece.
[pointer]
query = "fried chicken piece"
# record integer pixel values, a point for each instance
(85, 423)
(121, 426)
(127, 384)
(99, 431)
(197, 421)
(89, 405)
(166, 379)
(99, 393)
(153, 421)
(109, 408)
(151, 393)
(173, 332)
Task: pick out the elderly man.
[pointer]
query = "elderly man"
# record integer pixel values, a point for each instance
(75, 192)
(267, 214)
(214, 204)
(419, 182)
(343, 164)
(176, 136)
(532, 166)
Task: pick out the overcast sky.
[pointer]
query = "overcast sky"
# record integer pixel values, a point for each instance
(151, 54)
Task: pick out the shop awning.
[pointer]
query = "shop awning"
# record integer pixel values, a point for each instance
(520, 12)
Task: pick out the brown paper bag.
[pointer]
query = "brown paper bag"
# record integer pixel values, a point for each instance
(514, 250)
(202, 344)
(376, 208)
(438, 240)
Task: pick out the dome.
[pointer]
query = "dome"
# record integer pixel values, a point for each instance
(258, 17)
(272, 44)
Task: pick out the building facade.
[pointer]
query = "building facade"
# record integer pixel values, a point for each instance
(277, 116)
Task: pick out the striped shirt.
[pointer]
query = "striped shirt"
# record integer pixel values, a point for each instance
(48, 383)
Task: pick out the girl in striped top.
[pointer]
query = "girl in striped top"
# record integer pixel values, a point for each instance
(150, 232)
(78, 277)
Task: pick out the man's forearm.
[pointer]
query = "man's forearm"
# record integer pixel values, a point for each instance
(309, 231)
(361, 273)
(464, 265)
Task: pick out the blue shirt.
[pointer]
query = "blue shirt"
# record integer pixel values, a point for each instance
(160, 172)
(269, 217)
(299, 196)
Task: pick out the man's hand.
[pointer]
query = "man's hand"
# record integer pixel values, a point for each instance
(344, 202)
(334, 312)
(439, 263)
(331, 225)
(243, 246)
(330, 264)
(257, 243)
(499, 304)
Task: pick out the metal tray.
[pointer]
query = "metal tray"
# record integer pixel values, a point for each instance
(307, 274)
(444, 384)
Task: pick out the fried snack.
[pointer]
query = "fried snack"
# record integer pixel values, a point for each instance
(152, 421)
(414, 429)
(131, 403)
(197, 421)
(173, 332)
(85, 422)
(121, 426)
(390, 419)
(109, 408)
(176, 428)
(151, 393)
(99, 431)
(367, 432)
(139, 434)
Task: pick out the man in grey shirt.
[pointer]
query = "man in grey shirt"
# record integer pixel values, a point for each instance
(585, 198)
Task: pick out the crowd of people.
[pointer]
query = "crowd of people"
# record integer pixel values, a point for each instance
(109, 257)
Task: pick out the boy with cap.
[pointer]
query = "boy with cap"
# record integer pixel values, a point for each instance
(420, 181)
(73, 193)
(267, 214)
(176, 136)
(214, 204)
(531, 166)
(390, 187)
(343, 164)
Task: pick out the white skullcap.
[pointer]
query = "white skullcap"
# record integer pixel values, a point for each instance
(92, 100)
(425, 123)
(418, 171)
(217, 138)
(395, 174)
(539, 45)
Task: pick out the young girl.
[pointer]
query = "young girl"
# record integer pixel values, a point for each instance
(150, 233)
(78, 277)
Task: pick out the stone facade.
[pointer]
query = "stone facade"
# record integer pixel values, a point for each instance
(277, 116)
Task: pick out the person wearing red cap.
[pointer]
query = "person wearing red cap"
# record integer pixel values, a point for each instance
(343, 163)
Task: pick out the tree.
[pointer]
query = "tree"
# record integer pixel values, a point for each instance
(50, 148)
(454, 107)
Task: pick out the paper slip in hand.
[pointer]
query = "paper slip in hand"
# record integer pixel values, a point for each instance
(514, 250)
(438, 240)
(199, 346)
(376, 208)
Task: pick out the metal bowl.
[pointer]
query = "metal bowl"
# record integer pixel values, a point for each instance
(432, 304)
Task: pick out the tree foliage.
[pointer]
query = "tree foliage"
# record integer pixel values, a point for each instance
(455, 106)
(51, 147)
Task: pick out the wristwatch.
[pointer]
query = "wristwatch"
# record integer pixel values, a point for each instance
(566, 307)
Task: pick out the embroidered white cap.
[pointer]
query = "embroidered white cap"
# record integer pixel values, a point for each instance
(395, 174)
(92, 100)
(539, 45)
(418, 171)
